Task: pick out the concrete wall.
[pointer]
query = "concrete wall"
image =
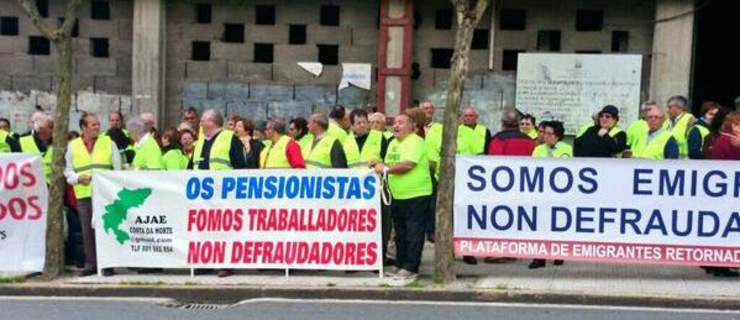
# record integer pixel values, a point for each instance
(101, 84)
(673, 49)
(231, 79)
(633, 16)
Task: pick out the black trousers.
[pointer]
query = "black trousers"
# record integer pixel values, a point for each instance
(432, 213)
(409, 219)
(386, 226)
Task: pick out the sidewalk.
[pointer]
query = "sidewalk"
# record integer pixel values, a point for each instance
(582, 283)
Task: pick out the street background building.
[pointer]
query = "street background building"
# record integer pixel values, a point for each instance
(165, 56)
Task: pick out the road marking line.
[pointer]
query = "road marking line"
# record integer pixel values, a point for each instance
(488, 304)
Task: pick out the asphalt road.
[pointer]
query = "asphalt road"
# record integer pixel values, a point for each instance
(17, 308)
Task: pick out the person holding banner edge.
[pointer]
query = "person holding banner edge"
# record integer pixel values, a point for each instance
(85, 155)
(553, 147)
(217, 149)
(407, 167)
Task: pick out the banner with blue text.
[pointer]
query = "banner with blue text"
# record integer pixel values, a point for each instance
(287, 219)
(601, 210)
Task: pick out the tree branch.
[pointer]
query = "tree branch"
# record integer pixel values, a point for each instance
(71, 16)
(480, 9)
(29, 6)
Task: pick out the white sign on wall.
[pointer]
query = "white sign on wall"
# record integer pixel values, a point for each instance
(571, 87)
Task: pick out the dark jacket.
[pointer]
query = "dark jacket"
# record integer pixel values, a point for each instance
(590, 144)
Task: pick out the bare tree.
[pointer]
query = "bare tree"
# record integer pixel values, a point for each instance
(469, 13)
(61, 38)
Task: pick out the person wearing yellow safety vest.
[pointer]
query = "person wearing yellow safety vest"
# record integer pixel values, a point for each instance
(378, 123)
(298, 131)
(90, 153)
(283, 152)
(678, 124)
(472, 138)
(147, 154)
(527, 125)
(605, 140)
(5, 142)
(325, 151)
(639, 127)
(259, 133)
(8, 139)
(187, 141)
(552, 147)
(217, 149)
(363, 146)
(700, 130)
(433, 142)
(658, 142)
(40, 143)
(409, 179)
(172, 156)
(339, 122)
(594, 122)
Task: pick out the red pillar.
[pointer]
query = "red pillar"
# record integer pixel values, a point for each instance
(402, 71)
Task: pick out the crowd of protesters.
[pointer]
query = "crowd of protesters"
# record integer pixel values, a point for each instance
(408, 152)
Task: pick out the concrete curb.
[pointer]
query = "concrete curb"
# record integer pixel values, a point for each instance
(233, 294)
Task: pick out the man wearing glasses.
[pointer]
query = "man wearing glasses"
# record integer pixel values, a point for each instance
(604, 140)
(658, 142)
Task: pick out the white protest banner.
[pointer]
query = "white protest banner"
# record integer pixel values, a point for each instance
(287, 219)
(602, 210)
(571, 87)
(24, 200)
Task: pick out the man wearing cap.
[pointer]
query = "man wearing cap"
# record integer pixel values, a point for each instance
(605, 140)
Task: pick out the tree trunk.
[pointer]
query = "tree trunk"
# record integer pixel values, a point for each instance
(55, 227)
(468, 17)
(62, 40)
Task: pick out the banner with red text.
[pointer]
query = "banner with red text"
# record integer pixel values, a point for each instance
(287, 219)
(600, 210)
(23, 203)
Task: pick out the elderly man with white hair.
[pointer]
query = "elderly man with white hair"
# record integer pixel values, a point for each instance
(39, 142)
(148, 155)
(217, 149)
(679, 123)
(472, 138)
(148, 119)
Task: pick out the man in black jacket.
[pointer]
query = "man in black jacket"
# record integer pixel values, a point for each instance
(605, 140)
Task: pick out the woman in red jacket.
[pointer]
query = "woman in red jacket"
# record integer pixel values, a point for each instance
(727, 145)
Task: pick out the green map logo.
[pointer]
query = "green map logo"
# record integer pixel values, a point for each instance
(116, 212)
